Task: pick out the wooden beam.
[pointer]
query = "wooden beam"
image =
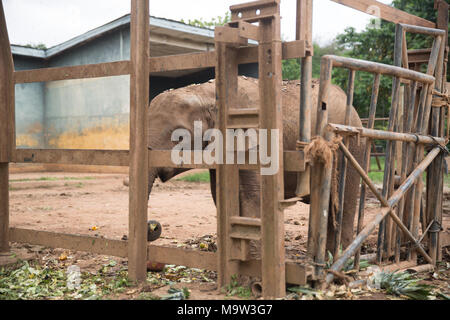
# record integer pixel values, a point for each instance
(291, 50)
(139, 98)
(295, 273)
(108, 69)
(6, 92)
(294, 161)
(387, 12)
(80, 157)
(116, 248)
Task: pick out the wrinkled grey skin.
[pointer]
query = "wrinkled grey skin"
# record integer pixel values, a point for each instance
(179, 108)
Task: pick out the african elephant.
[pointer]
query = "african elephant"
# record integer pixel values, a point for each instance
(175, 109)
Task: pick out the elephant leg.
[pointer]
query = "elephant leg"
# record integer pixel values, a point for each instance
(351, 196)
(212, 183)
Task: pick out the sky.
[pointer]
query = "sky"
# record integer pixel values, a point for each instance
(52, 22)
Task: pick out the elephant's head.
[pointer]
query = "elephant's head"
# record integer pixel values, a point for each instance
(178, 109)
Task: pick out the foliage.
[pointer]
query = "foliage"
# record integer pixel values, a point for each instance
(291, 67)
(349, 265)
(218, 21)
(378, 45)
(234, 289)
(196, 177)
(39, 46)
(403, 284)
(30, 281)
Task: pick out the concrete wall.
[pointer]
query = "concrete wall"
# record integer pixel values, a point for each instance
(30, 107)
(87, 113)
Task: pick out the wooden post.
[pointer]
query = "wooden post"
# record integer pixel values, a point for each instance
(320, 178)
(6, 127)
(272, 186)
(227, 175)
(304, 32)
(139, 100)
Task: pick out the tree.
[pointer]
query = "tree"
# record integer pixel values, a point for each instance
(378, 45)
(218, 21)
(291, 67)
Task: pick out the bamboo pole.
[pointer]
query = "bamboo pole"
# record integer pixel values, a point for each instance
(388, 209)
(370, 125)
(139, 100)
(343, 166)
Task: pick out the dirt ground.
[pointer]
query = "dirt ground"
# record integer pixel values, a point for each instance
(97, 205)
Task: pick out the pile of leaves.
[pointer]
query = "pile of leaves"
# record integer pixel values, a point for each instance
(30, 281)
(403, 284)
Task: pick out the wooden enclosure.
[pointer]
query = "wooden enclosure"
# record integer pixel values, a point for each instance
(419, 127)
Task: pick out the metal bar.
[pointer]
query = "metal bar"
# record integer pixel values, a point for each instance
(139, 98)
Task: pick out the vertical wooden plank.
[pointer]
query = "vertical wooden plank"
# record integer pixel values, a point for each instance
(272, 188)
(139, 100)
(304, 32)
(6, 127)
(227, 178)
(322, 116)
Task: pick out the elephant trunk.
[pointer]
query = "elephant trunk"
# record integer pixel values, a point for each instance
(152, 175)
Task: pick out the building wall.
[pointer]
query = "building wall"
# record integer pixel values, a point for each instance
(90, 113)
(87, 113)
(30, 107)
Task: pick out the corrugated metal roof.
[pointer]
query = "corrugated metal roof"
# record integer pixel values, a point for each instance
(161, 24)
